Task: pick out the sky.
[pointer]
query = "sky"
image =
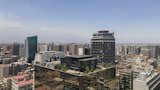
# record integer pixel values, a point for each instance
(76, 20)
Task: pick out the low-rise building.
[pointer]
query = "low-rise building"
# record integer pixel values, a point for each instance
(56, 79)
(4, 70)
(4, 85)
(48, 56)
(80, 63)
(22, 82)
(147, 81)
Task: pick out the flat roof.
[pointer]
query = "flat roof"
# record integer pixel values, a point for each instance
(4, 65)
(79, 56)
(51, 52)
(87, 59)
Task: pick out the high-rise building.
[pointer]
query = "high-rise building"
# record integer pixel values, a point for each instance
(58, 47)
(50, 46)
(126, 79)
(31, 48)
(42, 47)
(71, 48)
(15, 49)
(22, 50)
(103, 46)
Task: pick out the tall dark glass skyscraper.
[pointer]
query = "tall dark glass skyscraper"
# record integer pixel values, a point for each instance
(31, 48)
(103, 46)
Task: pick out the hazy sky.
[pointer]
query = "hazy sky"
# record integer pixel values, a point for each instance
(77, 20)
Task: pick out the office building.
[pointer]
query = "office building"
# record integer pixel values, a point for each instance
(126, 79)
(50, 46)
(84, 50)
(7, 59)
(42, 47)
(58, 47)
(71, 48)
(31, 48)
(15, 49)
(80, 63)
(103, 46)
(22, 50)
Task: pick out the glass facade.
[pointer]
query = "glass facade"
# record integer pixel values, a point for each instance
(31, 48)
(103, 46)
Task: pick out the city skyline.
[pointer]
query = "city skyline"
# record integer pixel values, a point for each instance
(75, 21)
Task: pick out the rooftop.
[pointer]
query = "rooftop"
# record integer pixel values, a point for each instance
(79, 56)
(22, 80)
(78, 73)
(24, 83)
(87, 59)
(51, 52)
(4, 65)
